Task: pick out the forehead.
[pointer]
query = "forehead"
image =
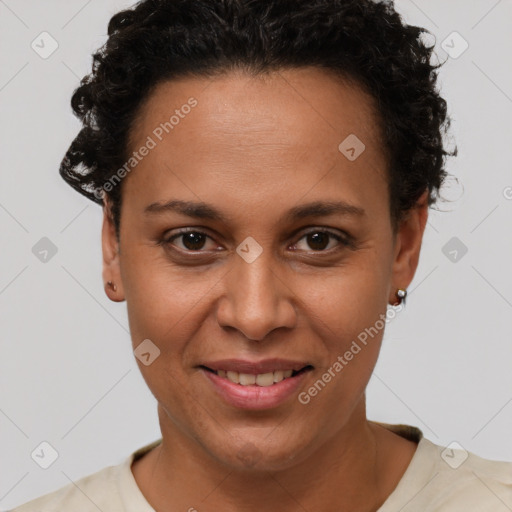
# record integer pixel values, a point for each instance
(288, 127)
(290, 102)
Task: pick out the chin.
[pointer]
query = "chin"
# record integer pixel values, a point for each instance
(257, 453)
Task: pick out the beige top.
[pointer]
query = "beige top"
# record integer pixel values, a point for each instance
(437, 479)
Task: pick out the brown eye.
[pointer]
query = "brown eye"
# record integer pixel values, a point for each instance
(190, 240)
(319, 240)
(193, 241)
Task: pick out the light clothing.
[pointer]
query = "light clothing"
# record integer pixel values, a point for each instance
(437, 479)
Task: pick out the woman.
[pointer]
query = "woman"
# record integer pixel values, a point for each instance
(265, 171)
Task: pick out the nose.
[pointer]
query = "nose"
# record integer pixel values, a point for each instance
(256, 298)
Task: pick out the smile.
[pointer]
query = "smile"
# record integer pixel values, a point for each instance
(260, 379)
(256, 386)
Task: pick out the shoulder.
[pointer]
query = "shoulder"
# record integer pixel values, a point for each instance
(112, 488)
(86, 494)
(469, 481)
(450, 479)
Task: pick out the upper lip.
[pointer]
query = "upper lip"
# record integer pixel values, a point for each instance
(255, 367)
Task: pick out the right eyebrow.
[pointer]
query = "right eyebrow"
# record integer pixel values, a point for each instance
(198, 210)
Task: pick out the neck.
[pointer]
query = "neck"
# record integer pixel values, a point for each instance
(351, 470)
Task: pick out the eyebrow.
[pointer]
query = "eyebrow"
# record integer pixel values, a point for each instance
(201, 210)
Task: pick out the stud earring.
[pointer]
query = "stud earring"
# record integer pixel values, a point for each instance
(112, 286)
(401, 295)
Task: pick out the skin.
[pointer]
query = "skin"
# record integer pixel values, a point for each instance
(253, 148)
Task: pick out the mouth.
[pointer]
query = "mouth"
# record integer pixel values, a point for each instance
(266, 379)
(255, 385)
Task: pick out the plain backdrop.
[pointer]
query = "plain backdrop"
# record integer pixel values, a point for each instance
(67, 373)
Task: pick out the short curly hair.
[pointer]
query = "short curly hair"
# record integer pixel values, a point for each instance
(364, 40)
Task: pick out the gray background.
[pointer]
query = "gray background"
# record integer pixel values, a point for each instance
(67, 373)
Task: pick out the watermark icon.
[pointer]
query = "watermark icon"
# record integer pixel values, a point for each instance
(249, 249)
(342, 360)
(146, 352)
(454, 455)
(44, 455)
(454, 249)
(454, 45)
(44, 250)
(44, 45)
(507, 193)
(352, 147)
(151, 142)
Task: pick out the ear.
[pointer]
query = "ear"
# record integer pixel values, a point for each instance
(407, 246)
(110, 249)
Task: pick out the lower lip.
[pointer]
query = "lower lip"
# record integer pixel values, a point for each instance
(255, 397)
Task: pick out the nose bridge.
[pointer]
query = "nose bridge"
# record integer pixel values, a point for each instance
(257, 278)
(256, 300)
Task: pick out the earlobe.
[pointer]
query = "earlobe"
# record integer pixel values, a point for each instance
(408, 245)
(110, 249)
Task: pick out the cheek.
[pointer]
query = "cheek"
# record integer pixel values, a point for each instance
(350, 298)
(347, 315)
(350, 335)
(163, 301)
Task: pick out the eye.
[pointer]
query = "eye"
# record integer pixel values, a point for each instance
(318, 240)
(191, 240)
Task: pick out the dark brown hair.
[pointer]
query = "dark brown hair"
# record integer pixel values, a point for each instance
(364, 40)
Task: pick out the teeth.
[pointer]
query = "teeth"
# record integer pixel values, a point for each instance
(262, 379)
(233, 377)
(265, 379)
(246, 379)
(278, 376)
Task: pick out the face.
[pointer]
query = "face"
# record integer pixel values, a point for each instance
(251, 243)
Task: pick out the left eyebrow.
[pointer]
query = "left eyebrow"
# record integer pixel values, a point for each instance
(201, 210)
(323, 209)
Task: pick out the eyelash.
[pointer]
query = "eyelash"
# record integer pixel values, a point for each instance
(344, 241)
